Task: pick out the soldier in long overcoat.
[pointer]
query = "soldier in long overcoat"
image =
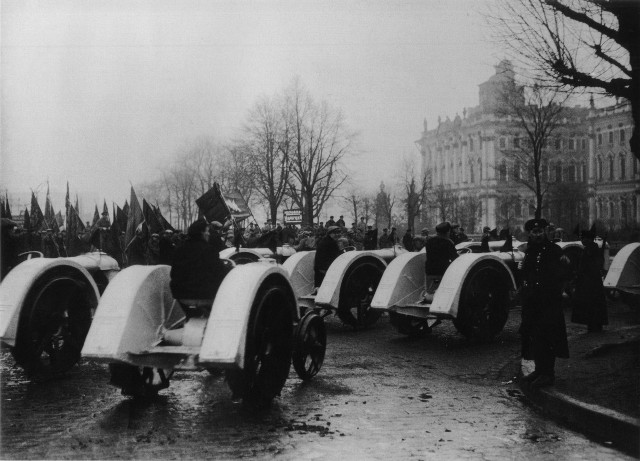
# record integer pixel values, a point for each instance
(327, 251)
(589, 302)
(543, 330)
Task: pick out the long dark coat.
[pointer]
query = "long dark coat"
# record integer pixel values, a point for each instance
(440, 252)
(543, 327)
(327, 251)
(196, 270)
(589, 302)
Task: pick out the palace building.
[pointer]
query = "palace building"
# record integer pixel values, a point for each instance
(587, 170)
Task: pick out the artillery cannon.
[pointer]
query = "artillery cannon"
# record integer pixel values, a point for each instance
(46, 306)
(252, 329)
(348, 287)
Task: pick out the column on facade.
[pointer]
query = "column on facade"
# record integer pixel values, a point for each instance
(591, 183)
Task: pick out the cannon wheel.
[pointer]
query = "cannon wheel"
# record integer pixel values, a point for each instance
(54, 323)
(139, 382)
(310, 344)
(410, 326)
(484, 303)
(268, 348)
(356, 294)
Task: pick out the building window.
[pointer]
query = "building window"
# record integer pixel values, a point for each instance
(622, 137)
(503, 143)
(571, 173)
(623, 169)
(518, 209)
(558, 143)
(584, 172)
(479, 170)
(623, 211)
(471, 175)
(471, 144)
(611, 210)
(516, 142)
(516, 170)
(584, 144)
(599, 139)
(611, 165)
(600, 168)
(610, 137)
(636, 162)
(572, 144)
(558, 171)
(503, 171)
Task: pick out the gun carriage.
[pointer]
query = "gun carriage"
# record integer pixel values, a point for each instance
(252, 329)
(623, 276)
(476, 292)
(46, 306)
(348, 287)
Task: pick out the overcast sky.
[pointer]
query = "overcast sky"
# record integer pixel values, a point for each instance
(101, 93)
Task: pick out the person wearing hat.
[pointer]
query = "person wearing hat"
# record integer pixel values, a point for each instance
(340, 222)
(196, 268)
(543, 331)
(440, 253)
(49, 245)
(589, 301)
(407, 240)
(384, 241)
(165, 247)
(484, 241)
(330, 223)
(327, 251)
(370, 238)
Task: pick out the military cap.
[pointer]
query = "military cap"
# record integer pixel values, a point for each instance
(486, 229)
(533, 223)
(443, 227)
(333, 230)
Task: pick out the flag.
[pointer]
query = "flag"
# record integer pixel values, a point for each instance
(49, 215)
(163, 222)
(27, 221)
(7, 209)
(96, 217)
(106, 210)
(37, 218)
(3, 210)
(218, 207)
(150, 218)
(59, 220)
(237, 205)
(75, 227)
(134, 218)
(121, 218)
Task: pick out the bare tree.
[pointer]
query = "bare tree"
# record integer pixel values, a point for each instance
(416, 183)
(237, 172)
(320, 141)
(354, 202)
(507, 208)
(266, 142)
(443, 200)
(469, 211)
(578, 44)
(538, 117)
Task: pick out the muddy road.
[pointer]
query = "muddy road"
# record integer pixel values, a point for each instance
(379, 395)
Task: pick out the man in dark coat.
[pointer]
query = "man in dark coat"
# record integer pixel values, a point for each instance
(484, 241)
(589, 302)
(440, 251)
(196, 269)
(370, 238)
(165, 247)
(340, 222)
(543, 330)
(407, 240)
(384, 241)
(327, 251)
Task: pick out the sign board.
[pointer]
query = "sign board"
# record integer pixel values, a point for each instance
(292, 216)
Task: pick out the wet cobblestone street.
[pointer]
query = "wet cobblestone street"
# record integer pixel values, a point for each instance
(379, 395)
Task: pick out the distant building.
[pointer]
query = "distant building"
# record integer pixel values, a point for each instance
(587, 167)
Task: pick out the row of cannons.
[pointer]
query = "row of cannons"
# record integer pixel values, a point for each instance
(264, 318)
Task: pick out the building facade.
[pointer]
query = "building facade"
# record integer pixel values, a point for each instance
(478, 179)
